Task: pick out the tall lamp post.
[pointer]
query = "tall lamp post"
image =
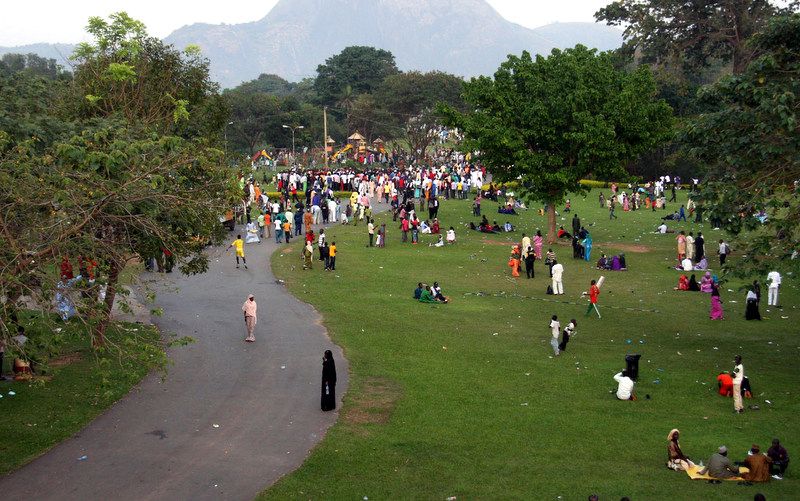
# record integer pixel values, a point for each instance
(293, 129)
(225, 133)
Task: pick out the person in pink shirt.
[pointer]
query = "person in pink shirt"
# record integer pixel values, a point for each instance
(249, 309)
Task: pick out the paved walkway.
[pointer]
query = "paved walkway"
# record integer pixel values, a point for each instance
(231, 417)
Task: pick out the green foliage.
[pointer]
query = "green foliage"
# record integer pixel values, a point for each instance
(33, 65)
(751, 142)
(361, 68)
(551, 122)
(694, 33)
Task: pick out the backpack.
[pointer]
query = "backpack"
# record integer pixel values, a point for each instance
(550, 290)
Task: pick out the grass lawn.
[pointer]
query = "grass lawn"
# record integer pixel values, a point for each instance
(466, 400)
(78, 387)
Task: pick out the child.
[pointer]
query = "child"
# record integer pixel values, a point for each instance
(239, 244)
(332, 257)
(555, 328)
(569, 331)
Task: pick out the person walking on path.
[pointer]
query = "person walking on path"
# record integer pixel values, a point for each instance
(738, 377)
(594, 293)
(328, 400)
(555, 328)
(239, 245)
(249, 309)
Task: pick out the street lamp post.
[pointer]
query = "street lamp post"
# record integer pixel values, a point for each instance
(293, 129)
(225, 133)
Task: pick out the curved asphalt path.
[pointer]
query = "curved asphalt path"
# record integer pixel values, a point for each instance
(160, 442)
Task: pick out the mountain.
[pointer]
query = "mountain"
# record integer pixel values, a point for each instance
(464, 37)
(58, 51)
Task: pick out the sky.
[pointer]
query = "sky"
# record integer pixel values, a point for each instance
(59, 21)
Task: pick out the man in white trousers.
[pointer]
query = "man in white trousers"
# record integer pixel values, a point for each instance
(774, 280)
(558, 273)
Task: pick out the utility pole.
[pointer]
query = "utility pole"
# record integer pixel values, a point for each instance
(325, 134)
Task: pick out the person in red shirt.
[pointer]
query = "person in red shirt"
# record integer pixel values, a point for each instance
(725, 383)
(594, 292)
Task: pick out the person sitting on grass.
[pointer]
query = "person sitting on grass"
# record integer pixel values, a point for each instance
(496, 227)
(780, 459)
(418, 291)
(719, 466)
(725, 384)
(693, 285)
(758, 465)
(427, 296)
(439, 242)
(562, 233)
(437, 293)
(508, 227)
(676, 459)
(706, 283)
(624, 386)
(451, 236)
(424, 228)
(683, 284)
(435, 229)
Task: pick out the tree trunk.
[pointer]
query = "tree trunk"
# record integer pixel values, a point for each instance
(99, 337)
(551, 223)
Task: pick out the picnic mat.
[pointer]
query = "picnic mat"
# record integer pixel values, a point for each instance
(694, 474)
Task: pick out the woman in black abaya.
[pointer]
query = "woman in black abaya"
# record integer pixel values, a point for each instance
(328, 401)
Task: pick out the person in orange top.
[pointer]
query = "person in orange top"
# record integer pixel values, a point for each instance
(594, 292)
(332, 257)
(725, 384)
(308, 219)
(514, 262)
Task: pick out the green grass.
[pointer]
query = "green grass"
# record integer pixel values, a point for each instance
(78, 387)
(464, 399)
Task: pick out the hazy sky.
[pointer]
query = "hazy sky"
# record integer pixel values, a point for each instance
(23, 22)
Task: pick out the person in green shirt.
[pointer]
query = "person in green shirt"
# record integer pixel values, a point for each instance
(427, 296)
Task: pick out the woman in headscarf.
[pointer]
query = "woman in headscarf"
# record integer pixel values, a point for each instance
(587, 247)
(706, 283)
(693, 285)
(683, 284)
(751, 311)
(716, 312)
(328, 401)
(676, 459)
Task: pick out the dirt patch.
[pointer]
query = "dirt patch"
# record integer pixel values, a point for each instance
(373, 404)
(67, 359)
(286, 250)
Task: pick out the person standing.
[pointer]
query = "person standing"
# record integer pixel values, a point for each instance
(576, 224)
(371, 232)
(774, 279)
(690, 246)
(569, 331)
(332, 257)
(321, 242)
(558, 274)
(594, 293)
(249, 309)
(555, 327)
(724, 250)
(530, 257)
(716, 312)
(239, 245)
(699, 248)
(738, 377)
(611, 208)
(328, 400)
(751, 309)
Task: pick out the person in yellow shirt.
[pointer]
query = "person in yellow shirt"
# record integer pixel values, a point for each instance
(287, 230)
(239, 245)
(332, 257)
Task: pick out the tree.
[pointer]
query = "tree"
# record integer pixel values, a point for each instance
(361, 68)
(751, 143)
(412, 98)
(695, 31)
(550, 122)
(140, 173)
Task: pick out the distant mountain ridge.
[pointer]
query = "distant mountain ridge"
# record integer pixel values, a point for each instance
(464, 37)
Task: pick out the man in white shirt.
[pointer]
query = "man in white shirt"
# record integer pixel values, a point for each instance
(663, 228)
(625, 386)
(774, 279)
(738, 377)
(558, 273)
